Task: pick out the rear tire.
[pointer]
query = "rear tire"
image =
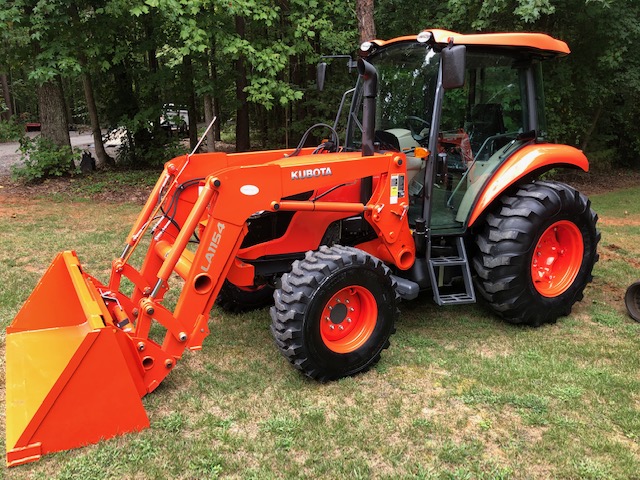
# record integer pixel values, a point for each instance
(335, 312)
(536, 253)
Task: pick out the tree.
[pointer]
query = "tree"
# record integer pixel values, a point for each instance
(6, 95)
(53, 113)
(243, 141)
(366, 23)
(29, 29)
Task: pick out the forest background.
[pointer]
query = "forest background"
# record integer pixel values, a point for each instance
(116, 63)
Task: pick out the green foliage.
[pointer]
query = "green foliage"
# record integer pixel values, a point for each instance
(143, 149)
(43, 159)
(11, 130)
(593, 96)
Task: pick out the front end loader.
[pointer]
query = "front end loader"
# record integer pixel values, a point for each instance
(434, 188)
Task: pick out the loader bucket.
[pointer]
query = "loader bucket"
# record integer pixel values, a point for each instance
(71, 375)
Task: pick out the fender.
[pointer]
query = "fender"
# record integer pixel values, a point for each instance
(532, 158)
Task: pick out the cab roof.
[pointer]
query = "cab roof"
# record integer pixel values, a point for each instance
(537, 42)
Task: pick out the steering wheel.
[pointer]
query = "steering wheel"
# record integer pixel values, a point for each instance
(417, 134)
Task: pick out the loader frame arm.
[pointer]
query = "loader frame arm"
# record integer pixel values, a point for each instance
(113, 343)
(238, 186)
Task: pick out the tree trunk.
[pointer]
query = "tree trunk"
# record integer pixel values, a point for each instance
(589, 133)
(69, 100)
(216, 111)
(154, 65)
(242, 112)
(213, 76)
(6, 94)
(208, 117)
(103, 157)
(191, 101)
(366, 24)
(53, 115)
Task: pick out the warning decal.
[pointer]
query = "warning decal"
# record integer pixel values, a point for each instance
(397, 188)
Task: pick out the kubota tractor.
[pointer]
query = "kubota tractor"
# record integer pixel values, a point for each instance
(434, 187)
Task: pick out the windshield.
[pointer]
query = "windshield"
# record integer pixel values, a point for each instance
(407, 77)
(480, 124)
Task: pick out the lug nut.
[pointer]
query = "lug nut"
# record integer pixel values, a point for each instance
(340, 327)
(331, 327)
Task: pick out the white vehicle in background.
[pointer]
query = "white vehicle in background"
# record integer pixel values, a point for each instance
(174, 118)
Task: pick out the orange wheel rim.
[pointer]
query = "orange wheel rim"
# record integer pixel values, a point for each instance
(348, 319)
(557, 258)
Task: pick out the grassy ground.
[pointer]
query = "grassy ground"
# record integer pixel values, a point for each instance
(458, 395)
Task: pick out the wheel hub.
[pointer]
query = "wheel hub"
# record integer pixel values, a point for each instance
(348, 319)
(338, 313)
(557, 258)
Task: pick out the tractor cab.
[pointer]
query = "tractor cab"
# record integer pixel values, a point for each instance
(468, 132)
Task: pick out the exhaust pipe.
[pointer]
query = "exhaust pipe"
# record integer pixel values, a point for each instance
(369, 75)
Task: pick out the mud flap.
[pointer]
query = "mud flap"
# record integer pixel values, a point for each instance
(72, 377)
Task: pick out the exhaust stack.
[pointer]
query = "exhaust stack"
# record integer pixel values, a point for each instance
(369, 75)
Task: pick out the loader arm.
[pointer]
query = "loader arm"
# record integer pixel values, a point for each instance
(192, 224)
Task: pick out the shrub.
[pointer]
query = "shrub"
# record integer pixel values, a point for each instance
(43, 159)
(11, 130)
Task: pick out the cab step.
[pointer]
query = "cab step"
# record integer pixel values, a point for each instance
(437, 265)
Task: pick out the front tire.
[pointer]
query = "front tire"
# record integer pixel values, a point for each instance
(536, 253)
(335, 312)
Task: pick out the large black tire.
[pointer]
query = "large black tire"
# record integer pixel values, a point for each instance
(335, 312)
(236, 300)
(536, 253)
(632, 301)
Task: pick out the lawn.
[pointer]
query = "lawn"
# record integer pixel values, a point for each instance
(459, 394)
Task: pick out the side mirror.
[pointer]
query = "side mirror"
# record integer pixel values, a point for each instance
(453, 66)
(321, 73)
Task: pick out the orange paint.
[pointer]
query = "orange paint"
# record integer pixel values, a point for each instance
(526, 161)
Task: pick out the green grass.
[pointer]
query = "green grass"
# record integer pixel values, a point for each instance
(459, 395)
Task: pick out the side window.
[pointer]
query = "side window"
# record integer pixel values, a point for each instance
(490, 109)
(477, 121)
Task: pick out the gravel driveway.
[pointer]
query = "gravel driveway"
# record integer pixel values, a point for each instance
(10, 155)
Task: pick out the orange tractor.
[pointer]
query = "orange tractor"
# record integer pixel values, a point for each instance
(433, 187)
